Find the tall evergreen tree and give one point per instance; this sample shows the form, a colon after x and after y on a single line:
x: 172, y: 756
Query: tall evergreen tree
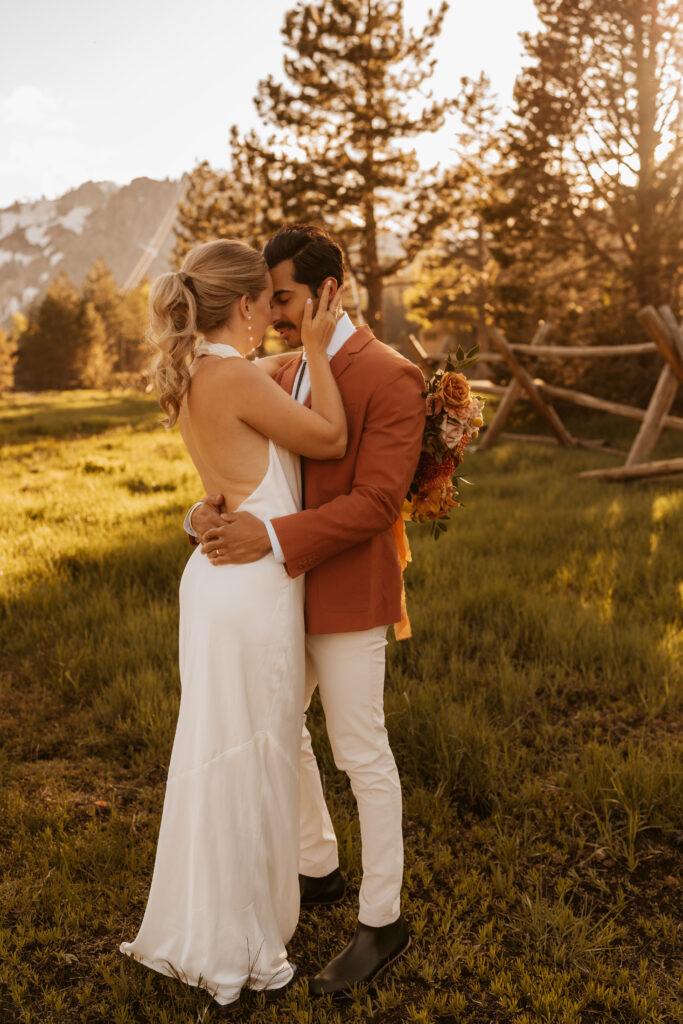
x: 96, y: 364
x: 597, y: 154
x: 57, y: 344
x: 240, y: 203
x: 337, y: 155
x: 454, y: 278
x: 124, y: 317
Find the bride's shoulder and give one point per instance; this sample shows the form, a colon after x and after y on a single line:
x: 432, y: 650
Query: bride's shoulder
x: 233, y: 372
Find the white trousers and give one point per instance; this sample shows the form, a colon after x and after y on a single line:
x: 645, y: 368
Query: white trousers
x: 348, y: 669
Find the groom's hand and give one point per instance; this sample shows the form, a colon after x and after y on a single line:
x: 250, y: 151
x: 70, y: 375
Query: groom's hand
x: 241, y: 538
x: 208, y: 514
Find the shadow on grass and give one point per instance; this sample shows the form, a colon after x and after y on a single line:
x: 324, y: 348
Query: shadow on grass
x: 67, y: 414
x: 90, y: 656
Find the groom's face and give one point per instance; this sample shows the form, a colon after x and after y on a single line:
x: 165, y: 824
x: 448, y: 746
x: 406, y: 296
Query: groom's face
x: 288, y: 302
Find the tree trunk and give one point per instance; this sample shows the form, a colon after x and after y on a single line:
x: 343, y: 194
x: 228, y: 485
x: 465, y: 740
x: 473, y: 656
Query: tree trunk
x: 374, y: 283
x: 482, y: 290
x: 646, y: 269
x: 375, y: 311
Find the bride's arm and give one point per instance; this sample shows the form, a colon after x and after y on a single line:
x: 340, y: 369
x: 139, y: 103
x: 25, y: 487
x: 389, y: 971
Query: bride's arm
x: 319, y: 432
x: 273, y: 364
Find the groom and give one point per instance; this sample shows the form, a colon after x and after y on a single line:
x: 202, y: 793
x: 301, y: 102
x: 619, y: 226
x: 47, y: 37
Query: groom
x: 343, y: 541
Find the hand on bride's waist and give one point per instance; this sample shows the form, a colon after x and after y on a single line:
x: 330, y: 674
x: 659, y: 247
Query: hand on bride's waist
x: 207, y: 514
x: 241, y: 537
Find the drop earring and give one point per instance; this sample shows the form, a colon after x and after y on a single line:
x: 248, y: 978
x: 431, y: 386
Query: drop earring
x: 250, y: 329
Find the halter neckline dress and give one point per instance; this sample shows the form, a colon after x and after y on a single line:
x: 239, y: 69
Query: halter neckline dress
x: 224, y: 897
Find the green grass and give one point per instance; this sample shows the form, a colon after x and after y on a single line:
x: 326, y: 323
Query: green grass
x: 535, y: 718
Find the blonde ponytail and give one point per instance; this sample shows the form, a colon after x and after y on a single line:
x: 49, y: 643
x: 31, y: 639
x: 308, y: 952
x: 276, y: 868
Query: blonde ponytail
x: 198, y: 298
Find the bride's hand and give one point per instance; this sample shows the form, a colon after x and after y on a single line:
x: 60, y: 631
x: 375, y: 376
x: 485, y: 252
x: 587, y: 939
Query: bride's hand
x: 316, y: 331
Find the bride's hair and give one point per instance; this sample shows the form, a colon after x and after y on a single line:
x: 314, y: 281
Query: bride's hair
x: 193, y: 300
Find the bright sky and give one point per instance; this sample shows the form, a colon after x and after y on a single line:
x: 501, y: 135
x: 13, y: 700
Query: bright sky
x: 116, y: 89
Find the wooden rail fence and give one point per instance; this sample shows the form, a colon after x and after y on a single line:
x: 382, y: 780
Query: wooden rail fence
x: 666, y: 336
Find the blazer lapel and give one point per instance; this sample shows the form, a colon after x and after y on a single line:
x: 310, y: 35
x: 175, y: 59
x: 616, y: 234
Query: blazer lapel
x: 287, y: 376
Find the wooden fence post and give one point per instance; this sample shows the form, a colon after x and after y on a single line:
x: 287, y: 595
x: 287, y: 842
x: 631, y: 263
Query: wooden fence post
x: 526, y: 382
x: 665, y: 390
x: 514, y: 390
x: 666, y: 340
x: 675, y: 330
x: 419, y: 355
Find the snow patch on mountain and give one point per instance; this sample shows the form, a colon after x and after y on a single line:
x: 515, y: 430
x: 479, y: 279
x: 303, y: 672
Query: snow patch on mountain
x: 7, y: 256
x: 75, y: 219
x: 37, y: 234
x: 28, y: 216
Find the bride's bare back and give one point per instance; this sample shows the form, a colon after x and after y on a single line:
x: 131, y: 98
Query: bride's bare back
x: 233, y: 407
x: 230, y: 456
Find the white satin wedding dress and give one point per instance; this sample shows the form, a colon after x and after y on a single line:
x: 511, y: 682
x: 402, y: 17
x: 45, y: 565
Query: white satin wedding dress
x: 224, y: 898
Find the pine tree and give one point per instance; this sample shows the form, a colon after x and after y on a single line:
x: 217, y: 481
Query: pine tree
x: 96, y: 365
x: 337, y: 153
x: 238, y: 204
x: 596, y: 152
x: 124, y: 318
x: 61, y: 337
x: 8, y: 358
x: 101, y: 292
x: 135, y: 351
x: 454, y: 277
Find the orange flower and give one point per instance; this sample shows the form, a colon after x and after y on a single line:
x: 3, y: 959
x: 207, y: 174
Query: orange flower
x: 454, y: 390
x: 430, y: 470
x: 434, y: 502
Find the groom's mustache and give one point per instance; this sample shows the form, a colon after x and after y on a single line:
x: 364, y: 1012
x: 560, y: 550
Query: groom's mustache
x: 281, y: 325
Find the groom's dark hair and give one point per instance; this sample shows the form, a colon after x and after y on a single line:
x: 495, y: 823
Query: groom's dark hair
x: 315, y: 254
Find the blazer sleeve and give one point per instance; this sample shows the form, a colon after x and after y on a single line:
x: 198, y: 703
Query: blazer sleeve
x: 387, y: 457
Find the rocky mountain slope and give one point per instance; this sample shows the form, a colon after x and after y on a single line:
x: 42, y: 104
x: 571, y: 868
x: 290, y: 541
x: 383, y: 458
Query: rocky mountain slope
x: 98, y: 220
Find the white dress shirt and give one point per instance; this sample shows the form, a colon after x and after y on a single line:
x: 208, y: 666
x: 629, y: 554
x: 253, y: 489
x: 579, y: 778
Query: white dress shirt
x: 301, y: 390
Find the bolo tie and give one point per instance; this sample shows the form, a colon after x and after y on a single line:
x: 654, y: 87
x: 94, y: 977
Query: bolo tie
x: 299, y: 378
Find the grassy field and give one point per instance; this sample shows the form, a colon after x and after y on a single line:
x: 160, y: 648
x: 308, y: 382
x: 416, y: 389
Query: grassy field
x: 535, y: 718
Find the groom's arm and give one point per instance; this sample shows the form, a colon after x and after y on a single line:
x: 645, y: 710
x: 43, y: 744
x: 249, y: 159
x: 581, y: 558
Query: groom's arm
x: 388, y: 454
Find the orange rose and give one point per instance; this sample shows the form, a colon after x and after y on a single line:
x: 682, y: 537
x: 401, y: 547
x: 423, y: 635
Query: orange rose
x: 453, y: 390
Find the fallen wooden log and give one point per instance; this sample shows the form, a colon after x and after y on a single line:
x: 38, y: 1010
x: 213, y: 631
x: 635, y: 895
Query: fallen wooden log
x: 665, y: 467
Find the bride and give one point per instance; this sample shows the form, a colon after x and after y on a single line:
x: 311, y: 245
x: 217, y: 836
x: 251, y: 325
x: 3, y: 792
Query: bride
x: 224, y: 898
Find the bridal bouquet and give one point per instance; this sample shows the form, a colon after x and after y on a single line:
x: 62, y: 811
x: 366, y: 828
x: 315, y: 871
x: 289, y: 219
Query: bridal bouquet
x: 454, y: 416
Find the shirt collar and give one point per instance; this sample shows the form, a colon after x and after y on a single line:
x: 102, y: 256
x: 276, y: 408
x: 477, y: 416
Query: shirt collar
x: 342, y: 332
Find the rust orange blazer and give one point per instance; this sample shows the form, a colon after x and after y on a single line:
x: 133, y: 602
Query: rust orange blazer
x: 343, y: 538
